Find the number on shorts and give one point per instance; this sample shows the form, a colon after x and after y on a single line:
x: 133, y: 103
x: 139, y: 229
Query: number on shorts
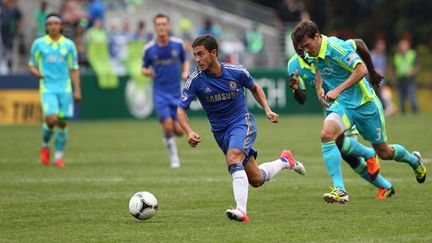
x: 378, y: 136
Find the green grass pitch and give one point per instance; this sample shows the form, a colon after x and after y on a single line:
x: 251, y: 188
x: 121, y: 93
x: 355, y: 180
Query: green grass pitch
x: 108, y: 161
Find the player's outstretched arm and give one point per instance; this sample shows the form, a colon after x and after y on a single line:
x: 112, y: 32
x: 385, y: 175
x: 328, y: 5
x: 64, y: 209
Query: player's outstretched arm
x: 360, y: 71
x: 193, y: 137
x: 299, y: 94
x: 320, y: 91
x: 363, y: 51
x: 260, y: 97
x: 77, y: 84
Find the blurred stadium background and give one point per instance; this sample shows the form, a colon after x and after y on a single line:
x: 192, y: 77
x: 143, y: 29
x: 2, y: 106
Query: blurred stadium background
x: 254, y: 33
x: 113, y: 153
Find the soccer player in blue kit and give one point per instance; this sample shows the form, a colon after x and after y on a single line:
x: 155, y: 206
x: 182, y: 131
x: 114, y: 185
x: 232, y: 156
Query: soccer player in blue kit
x: 302, y: 72
x: 220, y: 90
x: 54, y: 62
x: 165, y: 60
x: 349, y: 97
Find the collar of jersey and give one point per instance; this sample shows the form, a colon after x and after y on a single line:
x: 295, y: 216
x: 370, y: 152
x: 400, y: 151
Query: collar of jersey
x: 303, y: 63
x: 50, y: 41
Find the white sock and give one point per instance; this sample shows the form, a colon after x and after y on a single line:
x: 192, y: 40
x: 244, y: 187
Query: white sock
x: 58, y: 155
x: 272, y: 168
x: 171, y: 147
x: 240, y: 189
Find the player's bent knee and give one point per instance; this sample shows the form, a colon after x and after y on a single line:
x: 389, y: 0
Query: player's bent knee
x: 327, y: 136
x: 51, y: 121
x: 385, y: 154
x: 234, y: 156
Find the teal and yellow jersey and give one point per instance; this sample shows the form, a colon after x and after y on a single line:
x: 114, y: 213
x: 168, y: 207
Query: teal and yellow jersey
x: 54, y: 59
x: 335, y: 63
x: 306, y: 73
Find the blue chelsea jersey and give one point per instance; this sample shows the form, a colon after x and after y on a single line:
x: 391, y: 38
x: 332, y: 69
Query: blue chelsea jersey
x: 222, y: 98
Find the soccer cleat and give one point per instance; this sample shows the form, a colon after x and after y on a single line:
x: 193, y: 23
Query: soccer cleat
x: 336, y: 195
x: 295, y: 165
x: 385, y: 193
x: 373, y: 167
x: 236, y: 214
x: 45, y: 156
x: 420, y: 170
x: 59, y: 163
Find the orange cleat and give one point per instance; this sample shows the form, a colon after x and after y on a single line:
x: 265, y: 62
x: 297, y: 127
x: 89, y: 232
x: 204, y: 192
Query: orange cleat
x: 59, y: 163
x: 373, y: 167
x: 45, y: 156
x: 287, y: 154
x: 385, y: 193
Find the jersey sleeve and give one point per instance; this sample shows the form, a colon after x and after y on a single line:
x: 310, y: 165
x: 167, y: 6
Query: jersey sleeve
x: 34, y: 55
x: 73, y: 57
x: 146, y: 61
x: 292, y: 67
x: 345, y: 55
x: 183, y: 54
x: 246, y: 79
x: 351, y: 43
x: 187, y: 95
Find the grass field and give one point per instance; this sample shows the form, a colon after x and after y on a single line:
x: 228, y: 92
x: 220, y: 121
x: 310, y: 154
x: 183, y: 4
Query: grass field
x: 108, y: 161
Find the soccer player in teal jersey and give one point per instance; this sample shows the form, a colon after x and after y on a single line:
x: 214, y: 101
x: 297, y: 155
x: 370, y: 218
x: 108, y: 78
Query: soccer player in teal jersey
x: 301, y: 73
x: 54, y: 62
x: 351, y: 98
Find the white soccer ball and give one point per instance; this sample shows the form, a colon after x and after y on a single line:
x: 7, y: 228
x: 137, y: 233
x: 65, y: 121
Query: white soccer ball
x: 143, y: 205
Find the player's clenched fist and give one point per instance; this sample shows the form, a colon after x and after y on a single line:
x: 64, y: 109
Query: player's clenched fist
x: 273, y: 117
x: 193, y: 139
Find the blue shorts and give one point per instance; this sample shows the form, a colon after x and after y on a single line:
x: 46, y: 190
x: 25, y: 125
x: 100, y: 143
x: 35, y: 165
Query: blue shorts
x: 368, y: 119
x: 165, y: 105
x: 240, y: 135
x: 58, y: 104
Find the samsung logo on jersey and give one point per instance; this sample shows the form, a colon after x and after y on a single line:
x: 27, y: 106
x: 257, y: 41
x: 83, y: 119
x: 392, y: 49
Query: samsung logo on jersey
x: 221, y: 96
x: 166, y: 61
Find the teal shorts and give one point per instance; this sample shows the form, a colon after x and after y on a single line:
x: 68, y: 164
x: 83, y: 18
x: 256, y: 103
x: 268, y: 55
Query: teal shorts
x: 368, y: 119
x: 58, y: 104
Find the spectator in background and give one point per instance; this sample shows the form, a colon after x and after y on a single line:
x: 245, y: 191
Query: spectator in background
x: 96, y: 10
x: 254, y: 42
x: 118, y: 45
x: 39, y: 17
x: 72, y: 13
x: 141, y: 33
x: 97, y: 33
x: 11, y: 22
x: 289, y: 13
x: 378, y: 56
x: 209, y: 28
x: 406, y: 67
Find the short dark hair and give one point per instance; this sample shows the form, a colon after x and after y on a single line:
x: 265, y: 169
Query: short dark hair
x: 208, y: 41
x: 305, y: 28
x: 160, y: 15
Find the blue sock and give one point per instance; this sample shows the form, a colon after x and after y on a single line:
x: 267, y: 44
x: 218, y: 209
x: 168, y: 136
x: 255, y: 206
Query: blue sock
x: 402, y: 155
x: 46, y: 134
x: 356, y: 149
x: 61, y: 139
x: 333, y: 161
x: 380, y: 181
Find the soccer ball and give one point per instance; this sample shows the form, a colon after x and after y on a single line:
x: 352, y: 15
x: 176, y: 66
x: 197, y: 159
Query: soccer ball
x: 143, y: 205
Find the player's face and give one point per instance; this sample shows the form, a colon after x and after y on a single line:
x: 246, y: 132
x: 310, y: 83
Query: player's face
x: 162, y: 26
x: 204, y: 58
x: 311, y: 45
x: 53, y: 27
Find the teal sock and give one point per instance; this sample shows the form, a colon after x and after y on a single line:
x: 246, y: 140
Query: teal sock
x: 356, y: 149
x: 380, y: 181
x: 61, y: 139
x: 402, y: 155
x: 333, y: 160
x: 46, y: 134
